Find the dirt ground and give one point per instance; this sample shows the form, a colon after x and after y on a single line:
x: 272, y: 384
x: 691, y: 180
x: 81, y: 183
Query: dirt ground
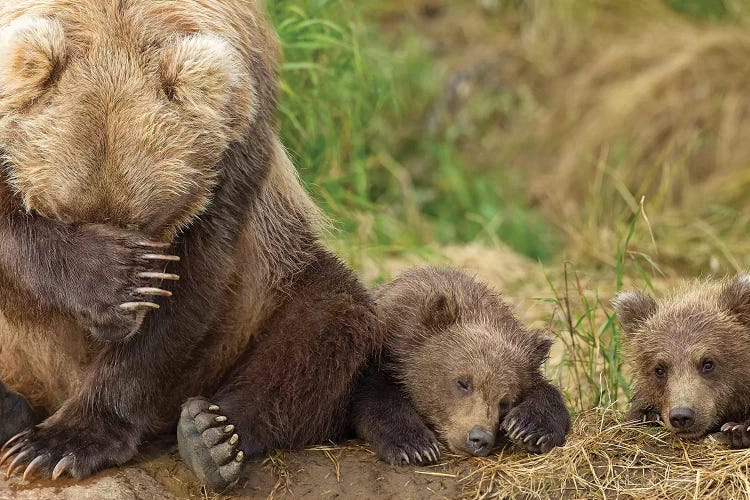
x: 327, y: 472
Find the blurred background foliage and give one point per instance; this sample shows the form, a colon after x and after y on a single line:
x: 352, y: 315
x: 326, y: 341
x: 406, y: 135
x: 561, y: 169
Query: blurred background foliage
x: 607, y: 139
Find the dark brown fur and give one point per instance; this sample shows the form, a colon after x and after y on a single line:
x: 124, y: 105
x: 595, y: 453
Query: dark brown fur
x: 689, y: 353
x: 117, y: 139
x: 456, y: 358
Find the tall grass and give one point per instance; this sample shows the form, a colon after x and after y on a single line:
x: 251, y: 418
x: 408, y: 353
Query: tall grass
x: 354, y: 115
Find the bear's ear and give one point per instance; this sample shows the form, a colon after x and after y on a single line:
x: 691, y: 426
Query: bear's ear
x: 32, y: 53
x: 205, y: 73
x: 541, y: 345
x: 440, y: 309
x: 633, y: 309
x: 735, y: 296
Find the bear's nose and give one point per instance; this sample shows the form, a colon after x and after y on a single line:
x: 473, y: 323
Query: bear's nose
x: 681, y: 417
x: 479, y: 441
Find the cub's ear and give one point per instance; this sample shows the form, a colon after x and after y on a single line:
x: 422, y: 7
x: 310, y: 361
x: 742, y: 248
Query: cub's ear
x: 735, y: 296
x: 32, y: 53
x: 205, y: 73
x: 633, y: 309
x: 541, y: 344
x: 440, y: 309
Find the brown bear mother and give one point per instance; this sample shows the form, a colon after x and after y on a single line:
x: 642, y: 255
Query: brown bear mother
x: 689, y: 352
x: 135, y: 135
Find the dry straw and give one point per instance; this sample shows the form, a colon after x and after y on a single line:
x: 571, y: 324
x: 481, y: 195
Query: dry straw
x: 606, y: 458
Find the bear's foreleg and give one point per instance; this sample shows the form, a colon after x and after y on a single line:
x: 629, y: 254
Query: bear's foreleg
x: 384, y: 417
x: 104, y: 277
x: 293, y: 386
x: 540, y: 421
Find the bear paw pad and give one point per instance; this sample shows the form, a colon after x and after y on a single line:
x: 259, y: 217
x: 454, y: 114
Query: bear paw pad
x: 209, y: 445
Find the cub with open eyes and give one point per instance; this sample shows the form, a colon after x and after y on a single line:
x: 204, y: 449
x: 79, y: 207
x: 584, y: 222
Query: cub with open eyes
x: 457, y: 361
x: 138, y: 146
x: 690, y: 353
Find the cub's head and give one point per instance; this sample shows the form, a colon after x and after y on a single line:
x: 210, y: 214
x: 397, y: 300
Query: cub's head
x: 470, y: 364
x: 690, y: 353
x: 108, y: 114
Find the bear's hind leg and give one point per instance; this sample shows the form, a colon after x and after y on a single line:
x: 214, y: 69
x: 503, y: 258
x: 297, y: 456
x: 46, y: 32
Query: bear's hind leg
x: 15, y: 414
x: 293, y: 386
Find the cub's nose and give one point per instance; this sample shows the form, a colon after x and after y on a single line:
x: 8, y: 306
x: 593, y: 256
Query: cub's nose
x: 681, y: 417
x: 479, y: 441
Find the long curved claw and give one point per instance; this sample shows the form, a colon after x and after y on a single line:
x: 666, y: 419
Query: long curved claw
x: 145, y: 290
x: 159, y: 256
x: 33, y: 466
x: 137, y: 306
x: 158, y: 276
x: 13, y: 440
x: 62, y: 466
x: 18, y: 462
x: 153, y: 244
x: 10, y: 453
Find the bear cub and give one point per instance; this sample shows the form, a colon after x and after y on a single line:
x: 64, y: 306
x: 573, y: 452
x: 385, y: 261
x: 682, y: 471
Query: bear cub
x: 457, y: 366
x: 689, y: 353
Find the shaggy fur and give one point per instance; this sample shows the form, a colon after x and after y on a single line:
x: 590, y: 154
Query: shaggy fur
x: 123, y: 121
x: 457, y: 357
x: 689, y: 352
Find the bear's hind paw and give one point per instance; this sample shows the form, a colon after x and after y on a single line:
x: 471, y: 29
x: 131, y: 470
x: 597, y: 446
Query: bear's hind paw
x: 208, y: 444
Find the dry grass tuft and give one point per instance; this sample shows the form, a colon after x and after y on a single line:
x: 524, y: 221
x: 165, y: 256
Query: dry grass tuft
x: 606, y: 458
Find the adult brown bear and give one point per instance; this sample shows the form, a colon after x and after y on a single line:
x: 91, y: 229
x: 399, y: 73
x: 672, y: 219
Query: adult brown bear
x: 136, y: 135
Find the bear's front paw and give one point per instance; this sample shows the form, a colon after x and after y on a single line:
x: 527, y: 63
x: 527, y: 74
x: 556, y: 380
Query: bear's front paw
x: 736, y: 435
x: 51, y: 450
x: 532, y: 430
x: 121, y: 272
x: 15, y: 414
x: 420, y: 447
x: 208, y: 444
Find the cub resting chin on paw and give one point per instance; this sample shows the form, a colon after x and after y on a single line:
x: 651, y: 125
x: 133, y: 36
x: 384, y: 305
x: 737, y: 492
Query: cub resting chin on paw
x: 457, y: 366
x: 689, y: 352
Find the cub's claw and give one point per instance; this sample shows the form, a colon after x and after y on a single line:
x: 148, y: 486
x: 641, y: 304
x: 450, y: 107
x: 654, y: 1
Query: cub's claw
x: 531, y: 432
x: 65, y: 464
x: 138, y: 306
x: 736, y: 435
x: 208, y: 444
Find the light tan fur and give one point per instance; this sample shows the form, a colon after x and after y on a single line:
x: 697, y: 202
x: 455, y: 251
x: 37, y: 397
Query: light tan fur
x: 138, y: 56
x: 692, y: 323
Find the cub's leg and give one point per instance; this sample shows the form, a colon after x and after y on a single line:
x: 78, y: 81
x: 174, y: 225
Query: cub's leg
x: 384, y: 417
x: 540, y: 421
x: 15, y: 414
x: 294, y: 385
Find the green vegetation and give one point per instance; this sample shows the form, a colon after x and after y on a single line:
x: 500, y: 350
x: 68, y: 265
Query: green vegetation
x: 550, y: 127
x: 354, y: 115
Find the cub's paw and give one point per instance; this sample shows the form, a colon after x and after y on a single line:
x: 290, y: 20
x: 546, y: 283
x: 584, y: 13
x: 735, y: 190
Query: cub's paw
x: 51, y: 450
x: 122, y: 275
x: 532, y: 430
x: 15, y: 414
x: 408, y: 445
x: 736, y: 435
x: 645, y: 415
x: 208, y: 444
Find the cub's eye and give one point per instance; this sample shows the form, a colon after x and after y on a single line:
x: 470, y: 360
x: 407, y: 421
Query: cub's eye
x: 708, y: 365
x: 464, y: 385
x: 660, y: 371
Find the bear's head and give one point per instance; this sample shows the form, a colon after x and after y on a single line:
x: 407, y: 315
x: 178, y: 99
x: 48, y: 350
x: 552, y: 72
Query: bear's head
x: 689, y: 353
x: 110, y: 111
x: 469, y: 364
